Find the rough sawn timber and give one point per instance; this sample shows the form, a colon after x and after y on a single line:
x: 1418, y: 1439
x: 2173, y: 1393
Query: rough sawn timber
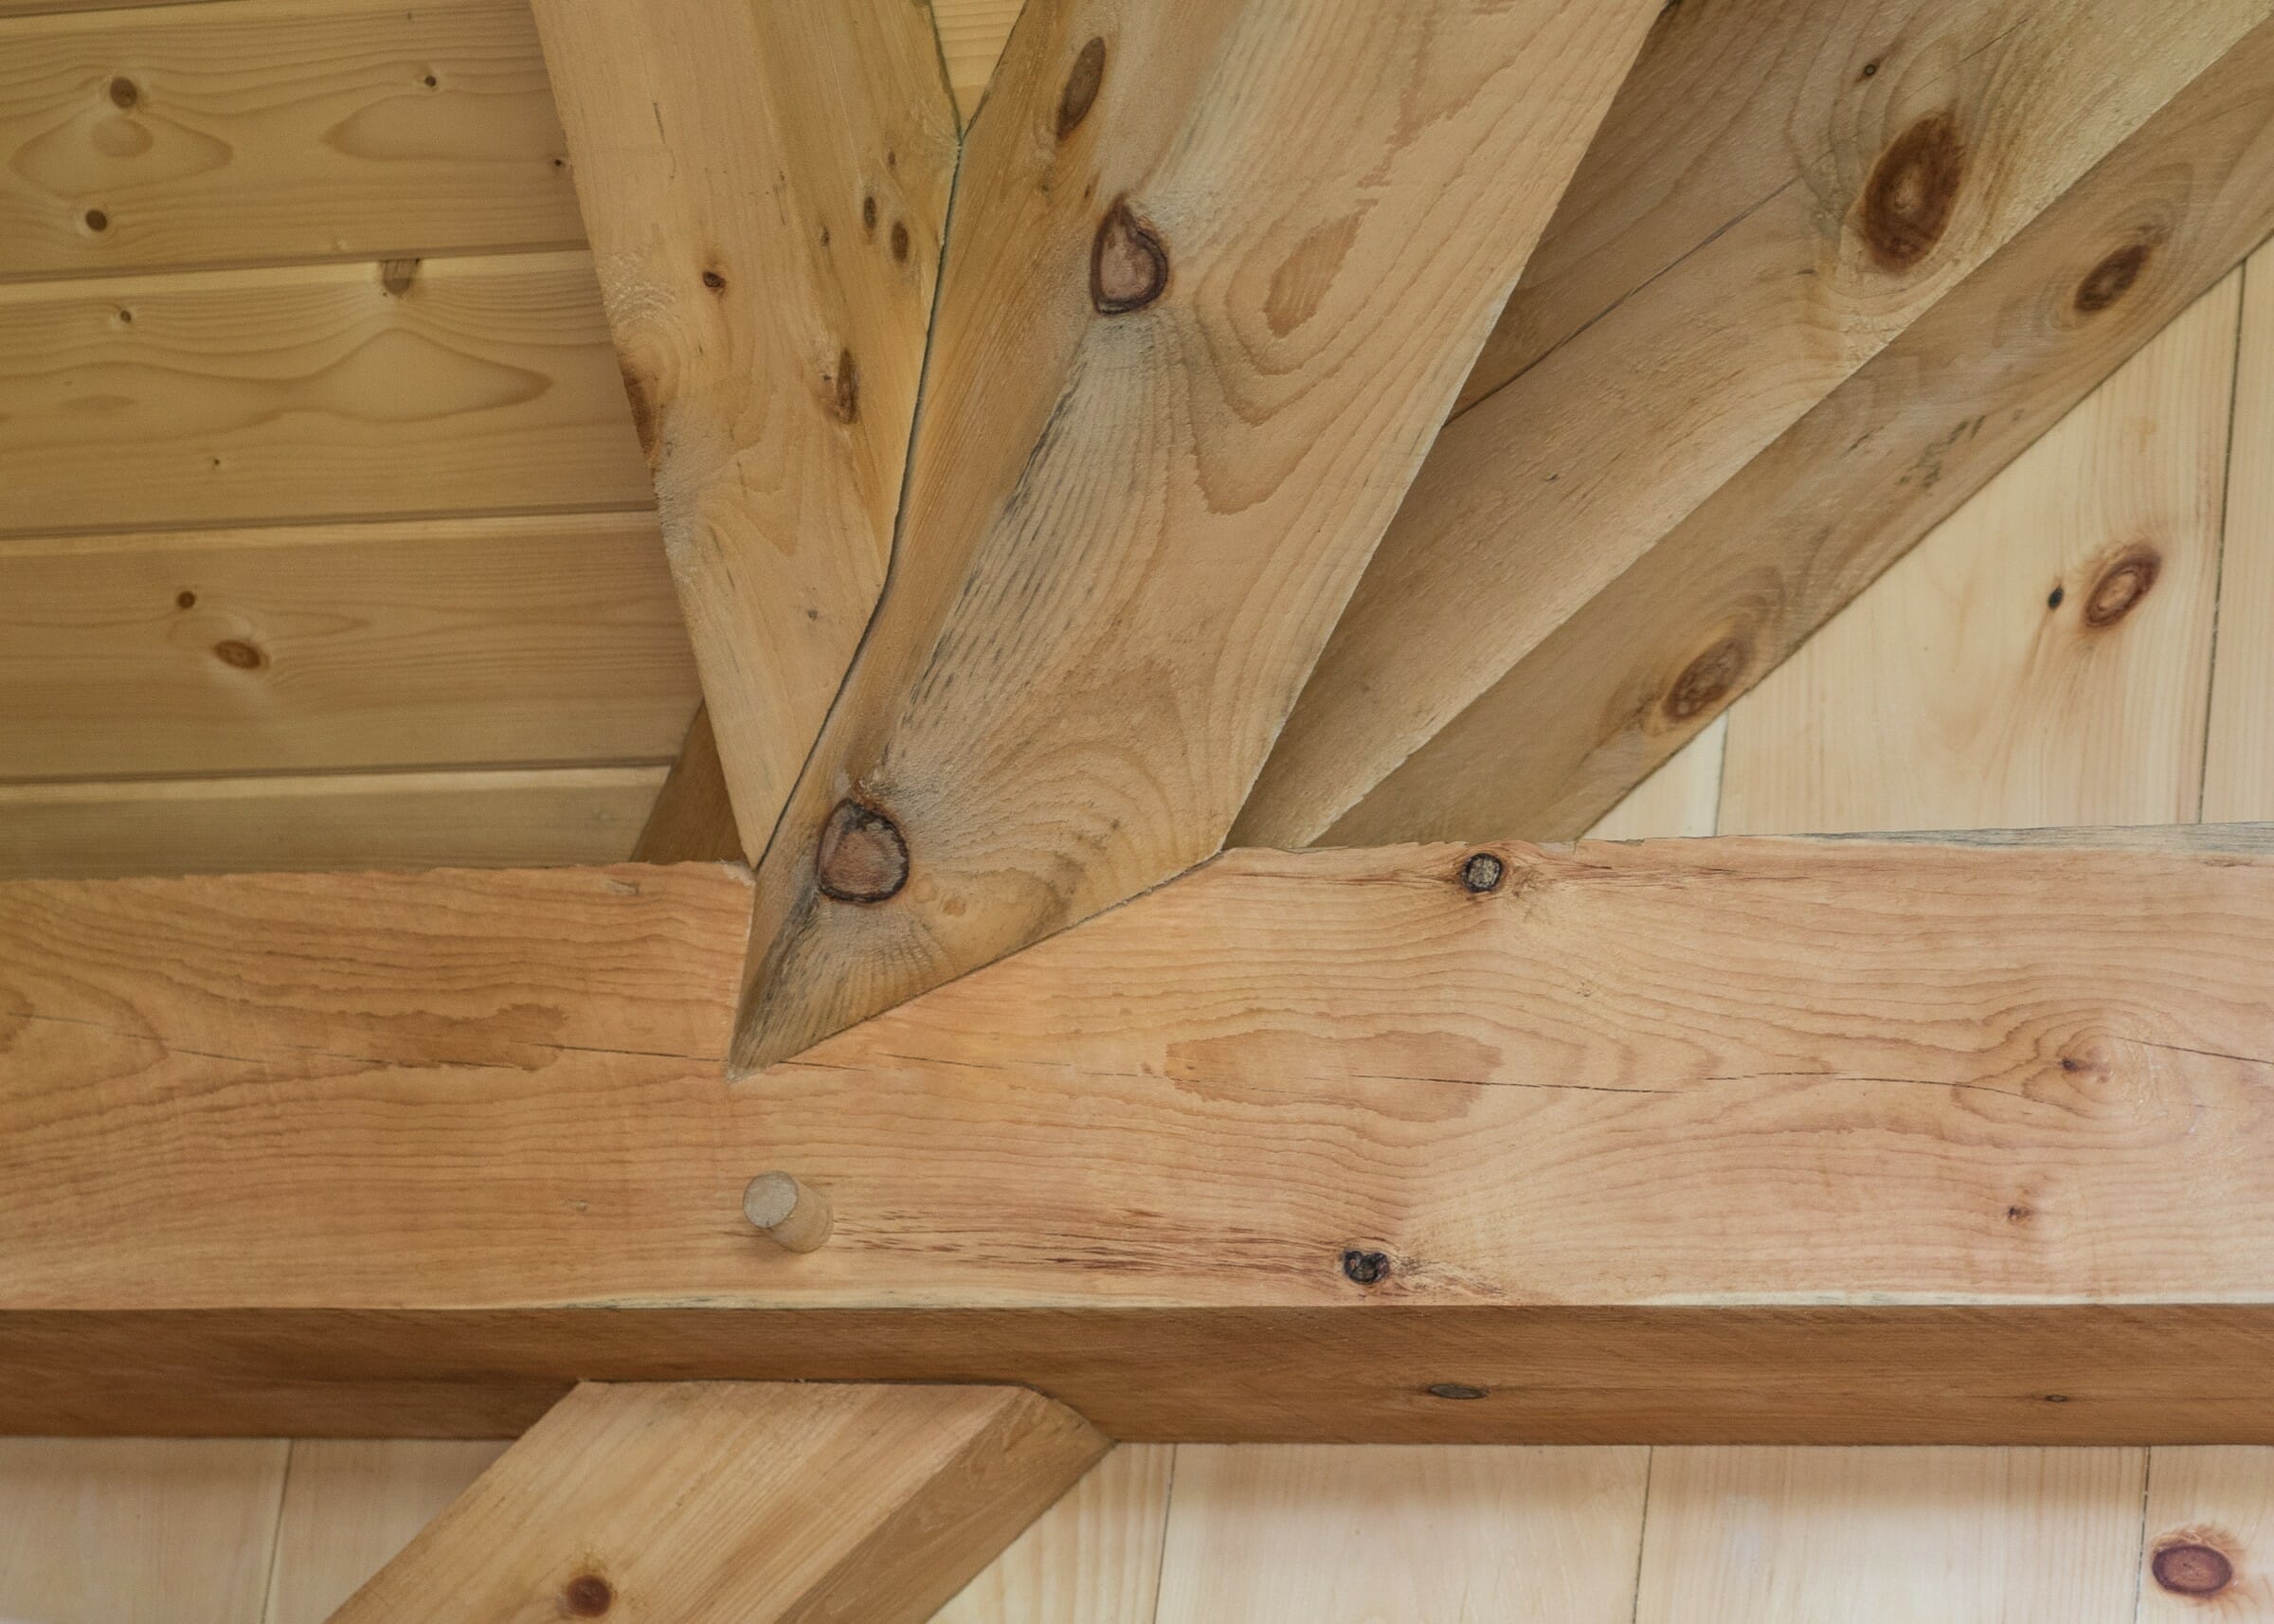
x: 739, y: 1503
x: 766, y: 188
x: 1826, y: 270
x: 1216, y: 273
x: 1764, y: 1139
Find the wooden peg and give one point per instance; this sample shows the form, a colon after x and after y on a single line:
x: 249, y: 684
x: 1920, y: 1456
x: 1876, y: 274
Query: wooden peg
x: 790, y: 1213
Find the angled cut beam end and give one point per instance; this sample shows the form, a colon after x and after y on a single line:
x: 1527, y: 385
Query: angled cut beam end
x: 1216, y: 272
x: 751, y: 1502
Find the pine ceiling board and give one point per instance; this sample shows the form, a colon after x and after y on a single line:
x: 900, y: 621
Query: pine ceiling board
x: 1903, y: 1536
x: 2239, y: 765
x: 2044, y: 657
x: 318, y: 648
x: 1312, y: 1535
x: 1603, y: 551
x: 336, y: 821
x: 323, y: 391
x: 266, y: 131
x: 137, y: 1531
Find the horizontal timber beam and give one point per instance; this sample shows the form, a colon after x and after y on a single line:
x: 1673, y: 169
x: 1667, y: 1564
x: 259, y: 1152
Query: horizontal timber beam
x: 1737, y: 1139
x: 739, y: 1503
x: 1827, y: 269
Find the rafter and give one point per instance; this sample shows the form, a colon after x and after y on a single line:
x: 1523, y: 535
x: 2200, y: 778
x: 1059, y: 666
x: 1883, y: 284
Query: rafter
x: 1215, y: 272
x: 1773, y: 1140
x: 1825, y: 271
x: 765, y: 190
x: 739, y: 1503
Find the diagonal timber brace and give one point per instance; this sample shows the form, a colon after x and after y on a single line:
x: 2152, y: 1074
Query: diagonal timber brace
x: 1737, y: 1139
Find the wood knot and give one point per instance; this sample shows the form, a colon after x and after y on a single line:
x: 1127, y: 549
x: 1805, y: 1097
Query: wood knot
x: 1706, y: 680
x: 845, y: 388
x: 242, y: 656
x: 2112, y: 278
x: 900, y: 241
x: 715, y: 283
x: 2191, y: 1569
x: 1366, y: 1268
x: 185, y: 599
x: 2121, y: 585
x: 1483, y: 872
x: 862, y: 856
x: 396, y: 277
x: 587, y: 1596
x: 123, y: 94
x: 1129, y: 267
x: 1455, y: 1390
x: 868, y: 213
x: 1080, y: 94
x: 95, y: 220
x: 1912, y: 193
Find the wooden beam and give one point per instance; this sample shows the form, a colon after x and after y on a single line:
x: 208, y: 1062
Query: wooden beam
x: 1763, y: 1140
x: 766, y: 188
x: 1216, y: 274
x: 1740, y: 379
x: 739, y: 1503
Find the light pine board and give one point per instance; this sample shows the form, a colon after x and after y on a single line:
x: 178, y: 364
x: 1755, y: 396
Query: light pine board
x: 971, y: 36
x: 258, y: 131
x: 350, y: 1505
x: 2239, y: 767
x: 137, y: 1531
x: 317, y: 649
x: 1903, y: 1536
x: 485, y: 384
x: 1358, y: 1534
x: 530, y: 818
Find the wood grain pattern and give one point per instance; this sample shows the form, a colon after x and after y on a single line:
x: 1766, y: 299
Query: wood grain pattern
x: 312, y: 392
x: 2073, y: 602
x: 1236, y: 276
x: 1833, y: 1140
x: 2210, y: 1523
x: 1611, y: 447
x: 525, y: 817
x: 1093, y: 1558
x: 137, y: 1531
x: 314, y: 648
x: 774, y: 1504
x: 766, y: 191
x: 1348, y: 1536
x: 260, y: 130
x: 2239, y: 760
x: 1905, y: 1536
x: 350, y: 1506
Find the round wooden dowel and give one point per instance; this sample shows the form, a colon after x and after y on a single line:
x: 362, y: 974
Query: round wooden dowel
x: 788, y: 1212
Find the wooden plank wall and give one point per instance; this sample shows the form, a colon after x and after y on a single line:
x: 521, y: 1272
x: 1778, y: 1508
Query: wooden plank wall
x: 2026, y: 664
x: 325, y: 539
